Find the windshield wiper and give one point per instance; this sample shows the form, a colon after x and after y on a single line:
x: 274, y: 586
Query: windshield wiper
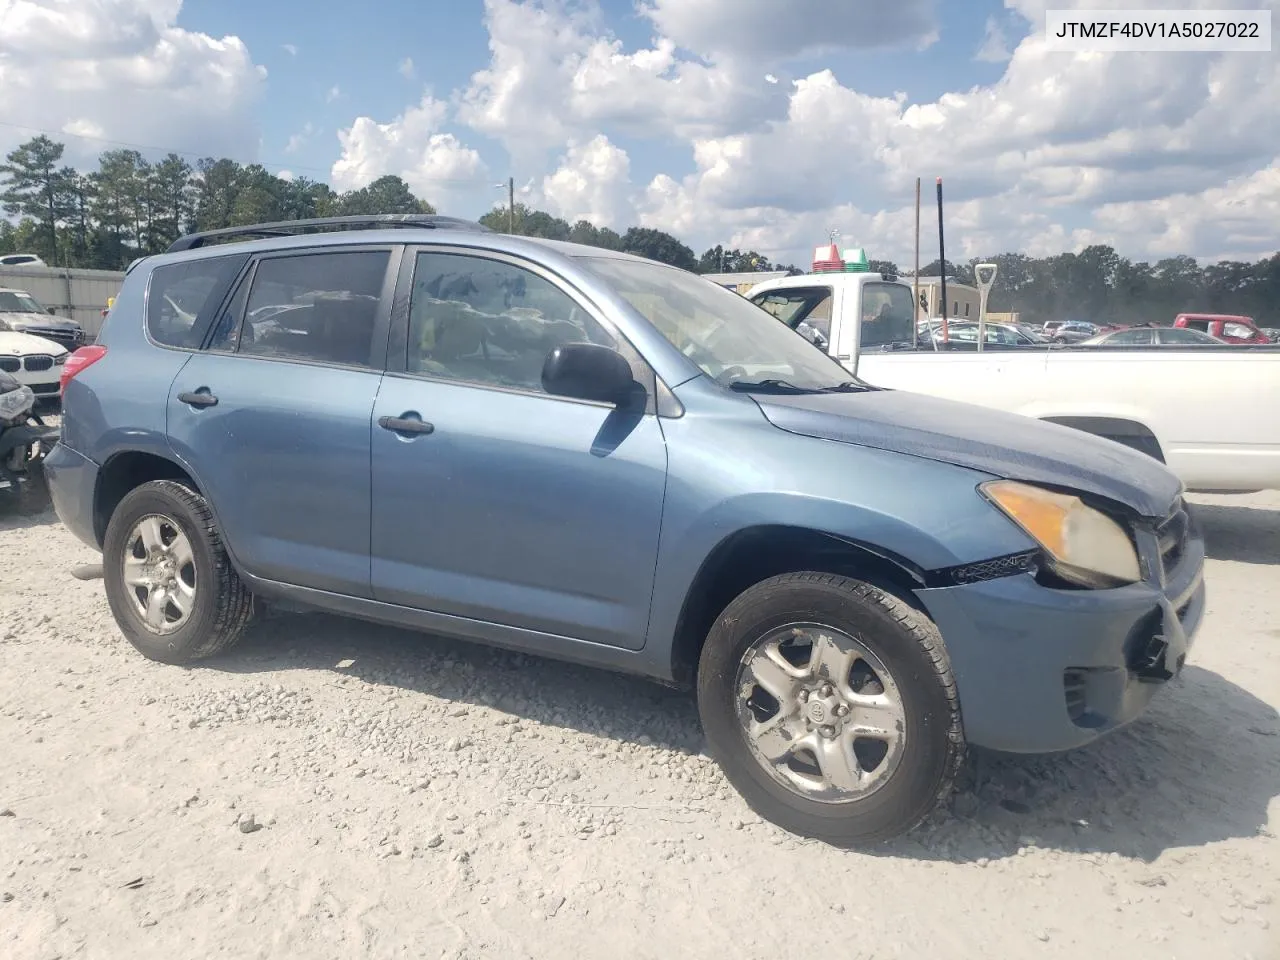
x: 768, y: 385
x: 849, y: 386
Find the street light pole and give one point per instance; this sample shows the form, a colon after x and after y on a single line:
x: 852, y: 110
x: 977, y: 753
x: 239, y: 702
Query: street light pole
x: 511, y: 204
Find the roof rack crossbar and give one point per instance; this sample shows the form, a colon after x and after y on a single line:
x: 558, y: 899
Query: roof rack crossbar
x: 285, y: 228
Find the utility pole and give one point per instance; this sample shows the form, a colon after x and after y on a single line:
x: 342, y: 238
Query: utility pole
x: 915, y: 284
x: 942, y: 260
x: 511, y: 204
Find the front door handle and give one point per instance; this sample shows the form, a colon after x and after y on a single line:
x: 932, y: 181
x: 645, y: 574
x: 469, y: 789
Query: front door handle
x: 200, y: 398
x: 405, y: 425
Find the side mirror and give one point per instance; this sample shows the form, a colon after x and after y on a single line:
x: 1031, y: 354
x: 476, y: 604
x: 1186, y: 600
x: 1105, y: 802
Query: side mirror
x: 588, y: 371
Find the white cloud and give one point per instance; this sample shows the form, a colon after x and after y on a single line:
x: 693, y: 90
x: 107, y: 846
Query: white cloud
x: 123, y: 70
x: 436, y: 165
x: 84, y: 127
x: 593, y: 183
x: 1062, y: 151
x: 995, y: 45
x: 290, y: 48
x: 407, y: 69
x: 545, y: 55
x: 299, y: 139
x: 286, y: 175
x: 334, y: 93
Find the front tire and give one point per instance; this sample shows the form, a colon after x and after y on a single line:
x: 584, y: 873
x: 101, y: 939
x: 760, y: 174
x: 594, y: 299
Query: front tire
x: 169, y: 581
x: 831, y: 707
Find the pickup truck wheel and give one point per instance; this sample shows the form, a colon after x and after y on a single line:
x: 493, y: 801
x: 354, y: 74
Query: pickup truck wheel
x: 169, y: 582
x: 831, y: 707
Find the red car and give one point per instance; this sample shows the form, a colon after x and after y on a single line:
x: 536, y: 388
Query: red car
x: 1232, y: 329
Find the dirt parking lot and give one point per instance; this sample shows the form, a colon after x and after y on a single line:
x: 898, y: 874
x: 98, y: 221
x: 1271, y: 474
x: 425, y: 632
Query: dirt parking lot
x: 333, y: 789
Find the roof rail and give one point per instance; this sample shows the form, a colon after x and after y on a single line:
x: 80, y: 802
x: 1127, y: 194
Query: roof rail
x: 284, y: 228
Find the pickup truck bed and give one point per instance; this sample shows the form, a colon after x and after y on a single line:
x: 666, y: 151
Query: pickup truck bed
x: 1212, y: 413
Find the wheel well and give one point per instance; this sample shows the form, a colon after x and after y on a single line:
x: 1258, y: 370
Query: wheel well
x: 758, y: 553
x: 125, y: 472
x: 1130, y: 433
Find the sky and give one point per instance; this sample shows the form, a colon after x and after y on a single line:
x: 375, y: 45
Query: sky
x: 753, y: 123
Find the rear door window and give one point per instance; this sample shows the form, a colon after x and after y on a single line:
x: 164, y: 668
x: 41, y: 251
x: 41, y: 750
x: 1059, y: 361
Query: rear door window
x: 318, y: 307
x: 182, y: 297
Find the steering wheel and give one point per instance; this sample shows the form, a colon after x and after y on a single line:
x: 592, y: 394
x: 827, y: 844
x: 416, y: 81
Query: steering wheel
x: 705, y: 359
x: 730, y: 374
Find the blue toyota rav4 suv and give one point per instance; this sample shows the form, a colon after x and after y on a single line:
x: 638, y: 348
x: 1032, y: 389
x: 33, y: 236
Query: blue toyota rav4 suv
x: 588, y: 455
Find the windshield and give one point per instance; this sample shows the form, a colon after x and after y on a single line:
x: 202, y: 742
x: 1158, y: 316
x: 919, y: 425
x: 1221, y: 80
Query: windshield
x: 13, y: 302
x: 731, y: 339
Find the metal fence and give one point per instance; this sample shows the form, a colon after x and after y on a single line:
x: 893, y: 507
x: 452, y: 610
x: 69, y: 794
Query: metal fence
x: 78, y: 294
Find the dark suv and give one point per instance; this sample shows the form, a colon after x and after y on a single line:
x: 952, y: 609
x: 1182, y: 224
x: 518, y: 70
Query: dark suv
x: 584, y: 454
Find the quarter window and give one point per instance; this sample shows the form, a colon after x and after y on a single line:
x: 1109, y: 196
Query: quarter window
x: 486, y: 321
x: 181, y: 298
x: 320, y: 307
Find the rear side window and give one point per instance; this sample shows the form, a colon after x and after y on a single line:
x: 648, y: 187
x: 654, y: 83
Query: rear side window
x: 887, y: 314
x: 181, y: 298
x: 1132, y: 337
x: 320, y: 307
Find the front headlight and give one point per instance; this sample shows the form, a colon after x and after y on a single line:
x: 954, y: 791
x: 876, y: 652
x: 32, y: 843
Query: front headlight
x: 15, y: 403
x: 1083, y: 545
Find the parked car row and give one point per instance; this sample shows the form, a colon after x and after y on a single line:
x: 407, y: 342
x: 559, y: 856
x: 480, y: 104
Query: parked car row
x: 34, y: 343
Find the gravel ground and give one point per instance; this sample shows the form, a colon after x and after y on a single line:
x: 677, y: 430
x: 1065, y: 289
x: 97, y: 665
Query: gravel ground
x: 337, y: 789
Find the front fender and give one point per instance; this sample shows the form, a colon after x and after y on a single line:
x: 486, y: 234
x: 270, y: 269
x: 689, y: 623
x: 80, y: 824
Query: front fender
x: 726, y: 477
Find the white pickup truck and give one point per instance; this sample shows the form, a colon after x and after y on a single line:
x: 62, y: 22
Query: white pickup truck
x: 1211, y: 413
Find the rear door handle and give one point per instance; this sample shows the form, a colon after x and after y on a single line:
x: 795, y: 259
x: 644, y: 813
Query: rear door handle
x: 405, y: 425
x: 200, y: 398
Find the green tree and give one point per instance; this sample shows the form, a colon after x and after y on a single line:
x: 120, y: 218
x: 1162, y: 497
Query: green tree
x: 886, y: 268
x: 389, y: 194
x: 174, y: 199
x: 586, y: 232
x: 35, y: 186
x: 216, y: 184
x: 657, y: 245
x: 258, y: 197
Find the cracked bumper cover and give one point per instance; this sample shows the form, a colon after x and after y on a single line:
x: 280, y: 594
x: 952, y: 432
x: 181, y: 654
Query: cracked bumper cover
x: 1040, y: 670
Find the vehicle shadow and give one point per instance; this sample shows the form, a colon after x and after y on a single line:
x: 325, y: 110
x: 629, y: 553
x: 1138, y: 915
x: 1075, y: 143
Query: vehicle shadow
x: 27, y: 506
x: 533, y: 688
x: 1241, y: 534
x: 1202, y: 766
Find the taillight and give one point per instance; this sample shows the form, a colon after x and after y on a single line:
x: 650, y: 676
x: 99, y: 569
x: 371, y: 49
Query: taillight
x: 78, y: 361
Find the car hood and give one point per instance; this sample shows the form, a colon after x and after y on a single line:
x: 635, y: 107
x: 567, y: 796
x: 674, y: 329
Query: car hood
x: 1006, y: 445
x: 13, y: 344
x: 47, y: 320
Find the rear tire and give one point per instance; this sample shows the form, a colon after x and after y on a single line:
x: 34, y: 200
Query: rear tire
x: 876, y: 681
x: 169, y: 581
